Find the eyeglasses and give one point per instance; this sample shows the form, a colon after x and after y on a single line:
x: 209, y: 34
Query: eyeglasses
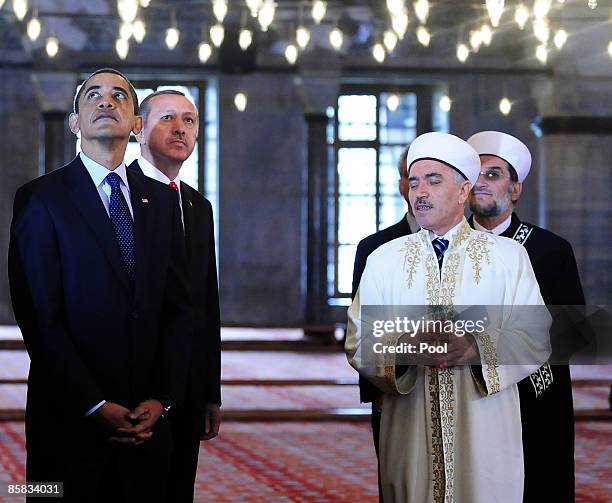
x: 492, y: 175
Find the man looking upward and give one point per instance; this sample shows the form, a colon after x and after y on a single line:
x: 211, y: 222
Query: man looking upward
x: 98, y: 284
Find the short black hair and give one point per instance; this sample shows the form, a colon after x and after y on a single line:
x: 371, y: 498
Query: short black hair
x: 77, y: 96
x: 145, y: 106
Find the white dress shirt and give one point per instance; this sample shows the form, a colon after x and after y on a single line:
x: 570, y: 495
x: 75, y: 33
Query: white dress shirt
x: 495, y: 230
x: 152, y: 172
x: 99, y: 173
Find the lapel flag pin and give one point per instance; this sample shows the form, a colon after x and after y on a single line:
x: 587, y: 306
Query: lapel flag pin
x: 190, y: 203
x: 145, y: 201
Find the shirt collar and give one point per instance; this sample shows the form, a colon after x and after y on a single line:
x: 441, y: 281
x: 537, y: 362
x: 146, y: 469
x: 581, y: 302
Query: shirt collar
x: 152, y: 172
x: 99, y: 173
x: 498, y: 230
x: 449, y: 233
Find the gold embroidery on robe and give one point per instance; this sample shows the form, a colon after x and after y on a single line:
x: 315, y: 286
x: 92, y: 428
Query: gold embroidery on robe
x: 478, y: 250
x: 412, y: 258
x: 491, y: 361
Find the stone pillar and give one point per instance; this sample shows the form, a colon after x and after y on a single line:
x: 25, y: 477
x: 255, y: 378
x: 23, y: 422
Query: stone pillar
x: 576, y: 189
x: 318, y: 89
x: 575, y: 154
x: 55, y: 92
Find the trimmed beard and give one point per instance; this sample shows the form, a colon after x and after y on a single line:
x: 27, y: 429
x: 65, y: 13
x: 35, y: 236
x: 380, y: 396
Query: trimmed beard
x: 496, y: 208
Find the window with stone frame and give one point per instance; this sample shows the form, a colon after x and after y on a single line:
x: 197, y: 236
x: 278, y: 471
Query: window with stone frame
x: 369, y: 128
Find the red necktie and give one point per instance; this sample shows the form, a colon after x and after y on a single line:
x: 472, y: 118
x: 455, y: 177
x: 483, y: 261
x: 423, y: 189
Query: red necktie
x: 174, y: 186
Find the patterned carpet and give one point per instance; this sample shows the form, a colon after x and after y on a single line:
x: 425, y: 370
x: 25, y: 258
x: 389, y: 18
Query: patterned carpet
x: 313, y: 462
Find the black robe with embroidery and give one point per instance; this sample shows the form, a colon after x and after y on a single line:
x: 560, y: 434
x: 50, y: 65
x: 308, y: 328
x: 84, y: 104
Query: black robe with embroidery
x: 547, y: 410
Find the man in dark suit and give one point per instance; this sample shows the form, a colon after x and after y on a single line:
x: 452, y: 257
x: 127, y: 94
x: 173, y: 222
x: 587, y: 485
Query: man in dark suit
x: 367, y: 391
x: 547, y: 413
x: 97, y: 273
x: 168, y: 137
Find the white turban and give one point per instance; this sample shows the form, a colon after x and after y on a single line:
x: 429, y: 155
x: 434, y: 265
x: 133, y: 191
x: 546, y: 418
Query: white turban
x: 503, y: 145
x: 448, y: 149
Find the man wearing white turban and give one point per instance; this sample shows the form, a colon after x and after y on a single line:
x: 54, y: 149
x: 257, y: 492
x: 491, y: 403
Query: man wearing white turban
x: 547, y: 409
x: 451, y: 425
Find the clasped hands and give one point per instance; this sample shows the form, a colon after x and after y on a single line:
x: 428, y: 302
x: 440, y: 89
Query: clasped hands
x: 460, y: 349
x: 128, y: 427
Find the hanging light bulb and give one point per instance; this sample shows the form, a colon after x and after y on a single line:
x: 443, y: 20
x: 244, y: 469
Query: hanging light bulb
x: 486, y: 34
x: 254, y: 6
x: 542, y: 54
x: 462, y: 52
x: 445, y: 103
x: 34, y: 28
x: 475, y: 40
x: 610, y: 48
x: 122, y: 46
x: 521, y: 15
x: 126, y: 31
x: 20, y: 8
x: 393, y: 102
x: 144, y: 3
x: 399, y: 22
x: 128, y: 9
x: 336, y: 38
x: 139, y: 30
x: 220, y: 9
x: 172, y: 37
x: 560, y: 38
x: 423, y: 36
x: 541, y: 30
x: 291, y: 54
x: 541, y: 8
x: 395, y: 6
x: 378, y: 51
x: 390, y: 40
x: 561, y: 1
x: 302, y: 36
x: 52, y: 47
x: 240, y: 102
x: 505, y: 105
x: 421, y: 9
x: 1, y: 3
x: 495, y: 8
x: 245, y: 39
x: 592, y: 4
x: 319, y: 8
x: 266, y: 14
x: 204, y: 52
x: 217, y: 34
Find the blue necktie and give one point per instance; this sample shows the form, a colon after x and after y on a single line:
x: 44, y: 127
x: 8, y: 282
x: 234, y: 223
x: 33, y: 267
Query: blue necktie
x: 122, y: 224
x: 440, y: 246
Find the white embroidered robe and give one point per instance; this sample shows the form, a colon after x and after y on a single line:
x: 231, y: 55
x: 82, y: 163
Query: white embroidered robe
x: 448, y: 435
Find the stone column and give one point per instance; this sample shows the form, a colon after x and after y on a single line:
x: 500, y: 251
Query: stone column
x: 55, y: 92
x: 318, y: 89
x: 575, y: 154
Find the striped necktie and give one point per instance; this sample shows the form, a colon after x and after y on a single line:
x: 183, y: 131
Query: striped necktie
x: 440, y: 246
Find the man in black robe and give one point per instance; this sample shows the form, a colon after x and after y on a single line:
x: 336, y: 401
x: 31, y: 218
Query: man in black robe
x: 547, y: 412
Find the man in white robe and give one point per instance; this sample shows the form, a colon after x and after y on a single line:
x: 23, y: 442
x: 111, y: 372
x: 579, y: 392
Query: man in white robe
x: 450, y: 432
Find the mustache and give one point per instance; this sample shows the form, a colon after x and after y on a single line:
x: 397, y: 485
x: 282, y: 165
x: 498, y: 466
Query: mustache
x: 422, y: 201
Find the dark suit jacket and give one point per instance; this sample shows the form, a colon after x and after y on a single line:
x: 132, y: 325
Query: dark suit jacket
x: 89, y: 336
x: 205, y: 369
x: 367, y: 391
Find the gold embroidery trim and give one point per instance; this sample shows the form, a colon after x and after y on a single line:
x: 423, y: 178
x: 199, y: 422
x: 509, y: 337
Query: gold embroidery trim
x: 491, y: 361
x: 447, y: 423
x: 478, y: 251
x: 449, y: 279
x: 437, y: 448
x: 462, y: 234
x: 412, y: 258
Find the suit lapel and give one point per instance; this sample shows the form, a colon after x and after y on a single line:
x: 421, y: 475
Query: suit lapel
x: 143, y: 208
x: 187, y: 218
x: 85, y: 197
